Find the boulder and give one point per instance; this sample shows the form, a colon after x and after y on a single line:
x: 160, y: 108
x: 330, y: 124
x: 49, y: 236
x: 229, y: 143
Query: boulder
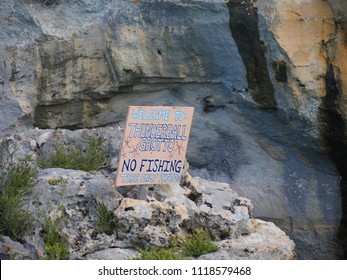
x: 113, y: 254
x: 12, y: 250
x: 265, y: 242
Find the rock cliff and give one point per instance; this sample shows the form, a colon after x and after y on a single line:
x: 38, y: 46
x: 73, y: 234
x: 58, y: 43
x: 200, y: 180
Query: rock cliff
x: 267, y: 80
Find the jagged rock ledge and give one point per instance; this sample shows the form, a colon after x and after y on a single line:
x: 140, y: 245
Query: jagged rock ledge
x: 174, y: 209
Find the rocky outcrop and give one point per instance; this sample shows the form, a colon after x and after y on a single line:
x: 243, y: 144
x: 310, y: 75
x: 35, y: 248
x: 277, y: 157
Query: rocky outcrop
x: 168, y: 211
x: 251, y: 247
x: 12, y: 250
x: 266, y: 78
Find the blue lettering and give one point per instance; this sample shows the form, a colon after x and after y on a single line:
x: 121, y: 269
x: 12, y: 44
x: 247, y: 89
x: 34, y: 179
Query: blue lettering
x: 130, y: 164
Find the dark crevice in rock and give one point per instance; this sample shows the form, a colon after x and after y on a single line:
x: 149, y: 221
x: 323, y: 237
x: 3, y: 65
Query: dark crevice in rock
x: 333, y: 131
x: 280, y: 68
x: 70, y: 115
x: 245, y: 31
x: 48, y: 3
x: 195, y: 197
x: 209, y: 105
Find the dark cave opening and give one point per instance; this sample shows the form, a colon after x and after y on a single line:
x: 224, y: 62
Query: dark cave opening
x: 245, y: 31
x: 333, y: 130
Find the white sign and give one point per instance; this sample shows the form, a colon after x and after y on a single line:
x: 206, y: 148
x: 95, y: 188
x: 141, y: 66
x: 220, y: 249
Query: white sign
x: 154, y: 145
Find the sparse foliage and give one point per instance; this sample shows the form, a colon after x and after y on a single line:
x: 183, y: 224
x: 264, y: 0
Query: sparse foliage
x: 106, y: 221
x: 54, y: 182
x: 56, y: 244
x: 155, y: 253
x: 17, y: 177
x: 92, y: 157
x: 181, y: 248
x: 199, y: 244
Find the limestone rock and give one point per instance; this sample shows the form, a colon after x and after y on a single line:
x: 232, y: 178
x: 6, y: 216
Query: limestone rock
x: 146, y: 223
x: 217, y: 208
x: 220, y: 209
x: 265, y: 242
x: 12, y: 250
x: 72, y: 196
x: 113, y: 254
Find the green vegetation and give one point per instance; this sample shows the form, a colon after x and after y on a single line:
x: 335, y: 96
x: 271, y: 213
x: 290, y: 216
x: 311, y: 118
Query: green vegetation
x: 61, y: 186
x: 15, y: 221
x: 106, y: 220
x: 198, y: 244
x: 56, y: 244
x: 92, y: 157
x: 55, y: 182
x: 17, y: 177
x: 155, y: 253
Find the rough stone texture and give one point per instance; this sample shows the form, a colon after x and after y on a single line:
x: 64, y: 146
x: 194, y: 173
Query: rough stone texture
x: 220, y: 209
x: 265, y: 129
x: 207, y: 205
x: 245, y: 31
x: 84, y: 69
x: 339, y: 8
x: 12, y: 250
x: 305, y: 55
x: 167, y: 211
x: 76, y: 195
x: 78, y: 58
x: 254, y: 246
x: 114, y: 254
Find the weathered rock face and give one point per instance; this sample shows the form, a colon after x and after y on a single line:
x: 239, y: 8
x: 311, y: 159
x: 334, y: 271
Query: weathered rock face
x: 251, y: 247
x: 305, y: 57
x: 245, y: 31
x: 79, y: 58
x: 84, y: 73
x: 266, y: 78
x: 308, y: 42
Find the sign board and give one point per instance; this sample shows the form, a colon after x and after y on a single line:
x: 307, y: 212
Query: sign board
x: 154, y: 145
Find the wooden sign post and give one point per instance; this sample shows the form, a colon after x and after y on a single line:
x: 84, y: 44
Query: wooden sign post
x: 154, y: 145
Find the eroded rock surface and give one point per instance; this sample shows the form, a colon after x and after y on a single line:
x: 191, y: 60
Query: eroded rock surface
x: 73, y: 196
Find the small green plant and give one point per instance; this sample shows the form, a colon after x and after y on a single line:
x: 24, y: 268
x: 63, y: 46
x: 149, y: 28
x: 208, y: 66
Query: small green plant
x: 61, y: 185
x: 181, y: 248
x: 17, y: 177
x: 92, y: 157
x: 155, y: 253
x: 15, y: 220
x: 56, y: 244
x: 199, y: 244
x: 106, y: 221
x: 54, y: 182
